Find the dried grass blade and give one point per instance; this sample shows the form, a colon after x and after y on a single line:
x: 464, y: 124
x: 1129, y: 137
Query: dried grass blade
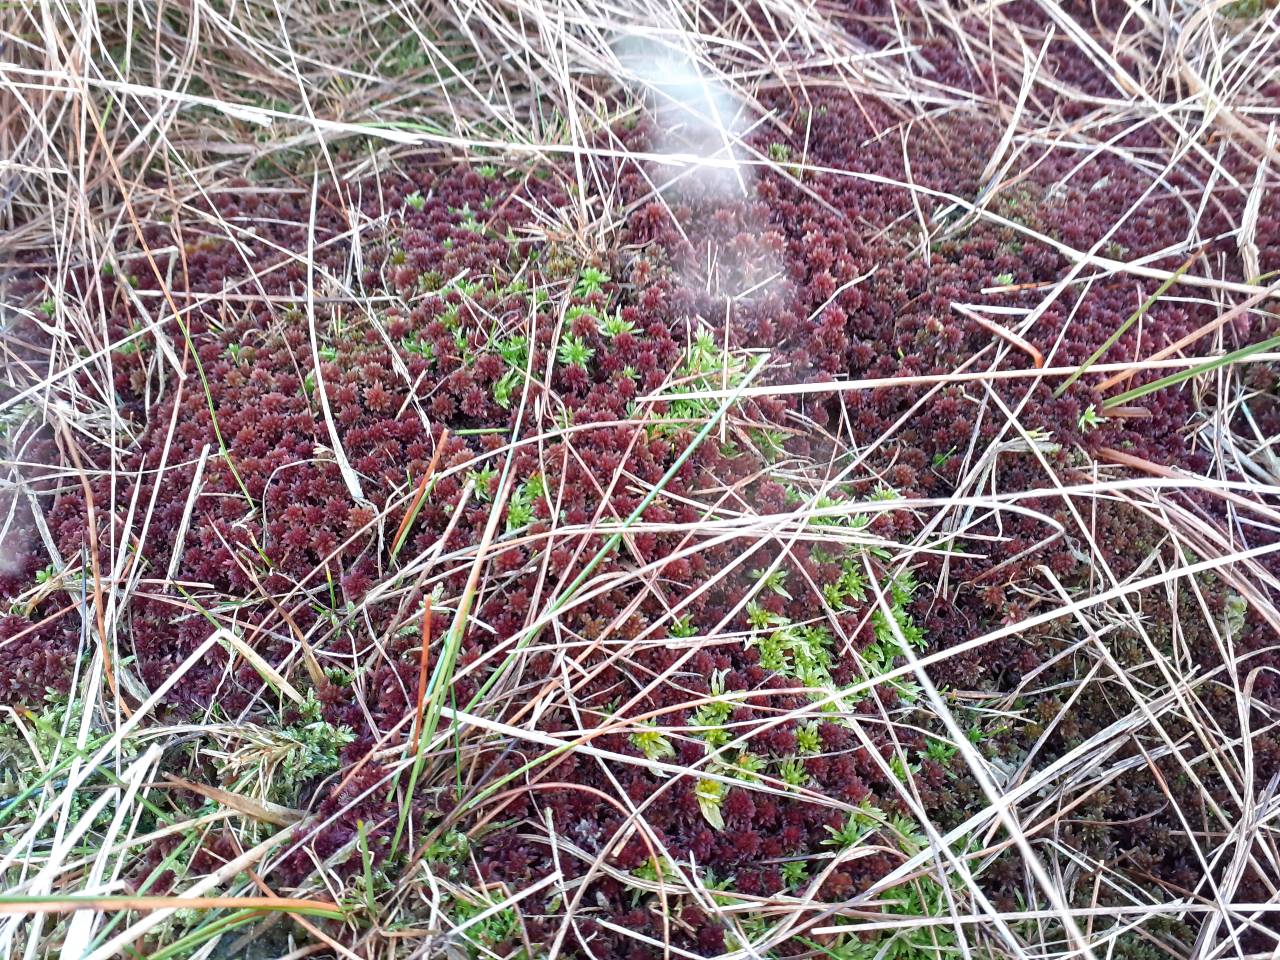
x: 265, y: 811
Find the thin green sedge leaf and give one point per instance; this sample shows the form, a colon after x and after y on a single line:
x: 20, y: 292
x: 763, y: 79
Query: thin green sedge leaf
x: 442, y: 675
x: 185, y: 946
x: 1183, y: 375
x: 616, y: 538
x: 1120, y: 330
x: 604, y: 551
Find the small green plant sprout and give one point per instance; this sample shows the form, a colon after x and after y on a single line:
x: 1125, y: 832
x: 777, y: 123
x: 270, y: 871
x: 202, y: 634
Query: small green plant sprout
x: 939, y: 751
x: 578, y: 311
x: 329, y: 354
x: 652, y: 743
x: 1237, y: 609
x: 482, y: 927
x: 883, y: 492
x: 574, y: 352
x: 471, y: 220
x: 653, y: 869
x: 590, y: 280
x: 755, y: 930
x: 481, y: 480
x: 775, y: 581
x: 828, y: 518
x: 505, y: 387
x: 709, y: 719
x: 515, y: 354
x: 707, y: 366
x: 416, y: 200
x: 47, y: 574
x: 775, y: 648
x: 761, y: 619
x: 852, y: 585
x: 133, y: 345
x: 812, y: 653
x: 808, y: 740
x: 710, y: 795
x: 564, y: 418
x: 909, y: 836
x: 341, y: 676
x: 520, y: 504
x: 48, y: 308
x: 488, y: 171
x: 448, y: 854
x: 720, y: 888
x: 683, y: 628
x: 794, y: 873
x: 468, y: 287
x: 1002, y: 279
x: 233, y: 351
x: 853, y: 581
x: 614, y: 326
x: 1090, y: 419
x: 903, y: 587
x: 792, y: 772
x: 861, y: 822
x: 747, y: 766
x: 423, y: 348
x: 462, y: 342
x: 940, y: 459
x: 832, y: 594
x: 769, y: 443
x: 514, y: 351
x: 779, y: 153
x: 903, y: 770
x: 900, y: 589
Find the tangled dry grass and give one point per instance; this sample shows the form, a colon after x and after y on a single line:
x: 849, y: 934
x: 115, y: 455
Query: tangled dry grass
x: 654, y: 479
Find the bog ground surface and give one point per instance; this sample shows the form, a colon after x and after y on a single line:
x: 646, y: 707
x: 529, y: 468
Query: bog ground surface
x: 542, y: 479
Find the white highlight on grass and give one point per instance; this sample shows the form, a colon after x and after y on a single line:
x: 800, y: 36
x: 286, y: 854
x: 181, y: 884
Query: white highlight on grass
x: 695, y: 115
x: 701, y: 161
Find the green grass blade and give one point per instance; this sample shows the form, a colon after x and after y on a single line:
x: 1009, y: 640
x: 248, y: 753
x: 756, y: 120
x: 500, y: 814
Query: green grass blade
x: 612, y: 543
x: 1120, y: 330
x: 1183, y: 375
x: 185, y: 946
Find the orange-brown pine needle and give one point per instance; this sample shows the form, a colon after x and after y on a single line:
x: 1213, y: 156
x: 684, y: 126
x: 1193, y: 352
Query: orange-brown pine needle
x: 1006, y: 334
x: 422, y: 674
x: 421, y: 492
x: 99, y: 615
